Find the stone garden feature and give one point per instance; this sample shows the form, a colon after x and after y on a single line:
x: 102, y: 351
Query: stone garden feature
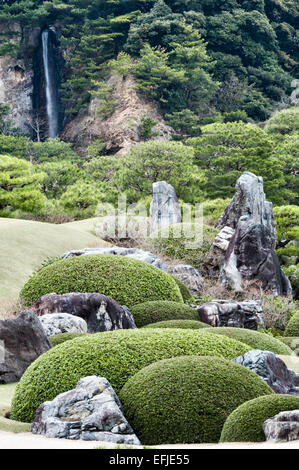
x: 250, y: 255
x: 24, y: 340
x: 91, y: 411
x: 272, y: 370
x: 164, y: 208
x: 100, y: 312
x: 135, y: 253
x: 245, y: 424
x: 57, y: 323
x: 116, y: 355
x: 246, y: 314
x: 283, y: 427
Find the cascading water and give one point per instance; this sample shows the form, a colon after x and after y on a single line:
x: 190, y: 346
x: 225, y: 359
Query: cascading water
x: 50, y: 86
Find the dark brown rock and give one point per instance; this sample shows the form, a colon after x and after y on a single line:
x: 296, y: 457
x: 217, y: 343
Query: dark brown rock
x: 100, y: 312
x: 247, y: 314
x: 24, y: 340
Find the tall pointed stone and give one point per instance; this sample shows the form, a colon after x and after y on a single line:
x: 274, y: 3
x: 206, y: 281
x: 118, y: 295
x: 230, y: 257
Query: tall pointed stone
x: 250, y: 255
x: 164, y: 208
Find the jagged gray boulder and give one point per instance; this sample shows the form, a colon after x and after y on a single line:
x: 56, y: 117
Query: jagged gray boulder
x: 216, y: 255
x: 272, y: 370
x: 283, y: 427
x: 22, y: 340
x: 91, y: 411
x: 250, y: 255
x: 164, y: 208
x: 56, y: 323
x: 135, y: 253
x: 100, y: 312
x: 247, y: 314
x: 188, y: 275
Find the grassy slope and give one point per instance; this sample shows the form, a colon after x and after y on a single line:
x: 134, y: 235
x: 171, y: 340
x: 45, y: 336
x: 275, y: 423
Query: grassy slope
x: 25, y: 244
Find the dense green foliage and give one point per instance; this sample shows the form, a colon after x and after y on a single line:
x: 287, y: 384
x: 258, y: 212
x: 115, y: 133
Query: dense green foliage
x: 62, y: 337
x: 116, y: 355
x: 152, y: 312
x: 224, y: 151
x: 19, y: 186
x: 292, y: 342
x: 185, y: 324
x: 189, y: 242
x: 187, y: 399
x: 254, y: 339
x: 292, y: 328
x: 245, y: 424
x: 208, y: 57
x: 126, y: 280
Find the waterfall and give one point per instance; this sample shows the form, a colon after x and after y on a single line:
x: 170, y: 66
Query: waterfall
x: 50, y: 85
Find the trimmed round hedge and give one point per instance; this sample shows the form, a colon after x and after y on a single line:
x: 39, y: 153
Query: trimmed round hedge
x: 292, y: 328
x: 185, y: 324
x: 186, y: 294
x: 126, y: 280
x: 62, y: 337
x: 162, y: 310
x: 253, y: 338
x: 292, y: 342
x: 187, y: 399
x: 116, y: 355
x: 245, y: 423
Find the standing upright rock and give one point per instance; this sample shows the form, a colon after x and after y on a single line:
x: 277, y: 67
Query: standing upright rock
x: 164, y: 208
x: 22, y: 340
x: 250, y: 254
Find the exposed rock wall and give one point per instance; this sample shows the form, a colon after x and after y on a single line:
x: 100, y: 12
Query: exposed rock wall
x: 16, y: 76
x: 121, y: 130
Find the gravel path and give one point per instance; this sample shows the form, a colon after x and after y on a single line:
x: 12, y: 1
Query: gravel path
x: 9, y: 440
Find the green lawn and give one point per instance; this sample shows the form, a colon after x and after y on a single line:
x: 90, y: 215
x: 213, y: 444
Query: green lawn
x: 25, y: 244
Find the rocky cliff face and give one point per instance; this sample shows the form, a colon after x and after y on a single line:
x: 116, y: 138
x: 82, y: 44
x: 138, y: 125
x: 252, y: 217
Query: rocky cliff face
x: 121, y: 130
x: 16, y: 77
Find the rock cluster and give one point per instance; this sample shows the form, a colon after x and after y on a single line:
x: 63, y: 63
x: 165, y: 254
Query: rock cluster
x: 22, y: 340
x: 100, y: 312
x: 250, y: 255
x: 246, y: 314
x: 164, y: 208
x: 272, y: 370
x: 56, y: 323
x: 91, y: 411
x: 135, y: 253
x: 283, y: 427
x: 188, y: 275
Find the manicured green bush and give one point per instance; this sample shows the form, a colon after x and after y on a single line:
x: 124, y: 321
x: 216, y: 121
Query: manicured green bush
x: 116, y: 355
x: 172, y: 242
x: 292, y: 342
x: 245, y: 423
x: 126, y: 280
x: 161, y: 310
x: 292, y: 328
x: 186, y: 324
x: 62, y: 337
x: 254, y: 339
x: 187, y: 399
x: 186, y: 294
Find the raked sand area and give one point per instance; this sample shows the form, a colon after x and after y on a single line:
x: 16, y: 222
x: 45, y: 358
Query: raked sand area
x: 26, y: 244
